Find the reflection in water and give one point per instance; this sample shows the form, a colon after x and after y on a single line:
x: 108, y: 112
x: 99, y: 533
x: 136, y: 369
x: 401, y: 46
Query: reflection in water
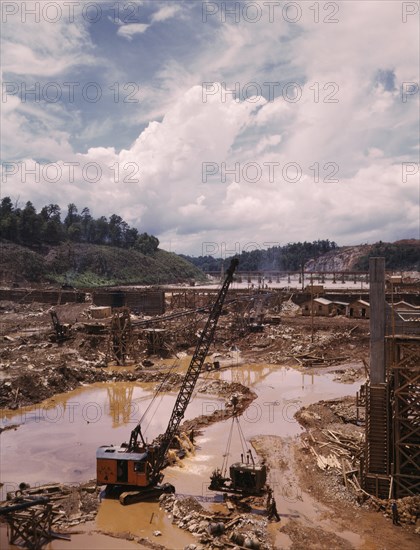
x: 59, y: 437
x: 247, y: 374
x: 120, y: 404
x: 311, y: 378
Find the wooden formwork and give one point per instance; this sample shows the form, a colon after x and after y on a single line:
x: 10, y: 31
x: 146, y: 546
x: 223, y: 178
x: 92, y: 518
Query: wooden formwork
x: 392, y: 452
x: 156, y: 340
x: 191, y: 299
x: 30, y: 528
x: 377, y: 452
x: 120, y: 342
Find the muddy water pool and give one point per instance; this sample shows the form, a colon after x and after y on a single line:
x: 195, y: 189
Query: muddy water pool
x: 57, y: 441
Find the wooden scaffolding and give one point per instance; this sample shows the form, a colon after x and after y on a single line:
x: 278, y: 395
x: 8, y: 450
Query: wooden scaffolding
x: 120, y: 342
x: 29, y: 524
x: 406, y: 415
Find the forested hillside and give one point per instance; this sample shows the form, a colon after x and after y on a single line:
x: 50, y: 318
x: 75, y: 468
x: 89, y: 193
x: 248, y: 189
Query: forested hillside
x: 81, y: 250
x: 28, y: 227
x: 290, y: 257
x: 321, y: 255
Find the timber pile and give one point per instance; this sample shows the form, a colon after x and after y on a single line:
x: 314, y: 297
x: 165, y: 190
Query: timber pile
x: 340, y: 452
x: 70, y: 505
x: 312, y: 360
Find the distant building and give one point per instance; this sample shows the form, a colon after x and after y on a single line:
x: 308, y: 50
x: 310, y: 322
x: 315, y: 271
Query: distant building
x: 321, y: 307
x: 340, y: 308
x: 358, y: 309
x: 405, y: 306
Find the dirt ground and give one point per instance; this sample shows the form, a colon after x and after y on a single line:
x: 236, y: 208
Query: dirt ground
x: 331, y: 512
x: 34, y: 367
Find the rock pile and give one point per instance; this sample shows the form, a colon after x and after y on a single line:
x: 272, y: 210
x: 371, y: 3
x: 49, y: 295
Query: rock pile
x: 408, y: 510
x: 216, y: 530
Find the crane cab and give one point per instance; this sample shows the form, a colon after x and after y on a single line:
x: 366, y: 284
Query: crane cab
x: 117, y: 466
x: 245, y: 478
x: 248, y: 478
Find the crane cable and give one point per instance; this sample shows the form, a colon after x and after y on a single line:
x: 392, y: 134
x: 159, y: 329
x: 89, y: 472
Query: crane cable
x: 165, y: 379
x: 229, y: 443
x: 158, y: 390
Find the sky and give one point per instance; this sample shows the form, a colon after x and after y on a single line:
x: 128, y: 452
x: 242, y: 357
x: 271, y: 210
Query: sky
x: 217, y: 126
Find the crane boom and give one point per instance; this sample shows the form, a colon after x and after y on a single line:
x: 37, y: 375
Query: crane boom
x: 139, y: 466
x: 194, y: 370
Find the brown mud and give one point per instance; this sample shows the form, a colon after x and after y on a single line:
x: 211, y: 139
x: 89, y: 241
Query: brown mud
x: 317, y: 510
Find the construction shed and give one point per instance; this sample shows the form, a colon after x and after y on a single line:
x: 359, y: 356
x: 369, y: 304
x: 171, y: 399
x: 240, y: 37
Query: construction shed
x: 339, y: 308
x: 322, y: 307
x: 402, y: 305
x: 358, y: 309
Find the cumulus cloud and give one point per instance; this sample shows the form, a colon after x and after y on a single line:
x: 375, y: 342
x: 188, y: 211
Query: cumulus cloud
x: 157, y: 184
x: 166, y: 12
x: 323, y: 158
x: 163, y: 13
x: 128, y: 31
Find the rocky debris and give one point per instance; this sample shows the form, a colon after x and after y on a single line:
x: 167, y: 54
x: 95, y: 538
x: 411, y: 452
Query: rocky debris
x: 335, y: 443
x: 349, y: 376
x: 223, y: 389
x: 290, y: 343
x: 329, y: 461
x: 34, y: 386
x: 408, y: 509
x: 334, y: 411
x: 290, y: 309
x: 144, y: 542
x: 216, y: 530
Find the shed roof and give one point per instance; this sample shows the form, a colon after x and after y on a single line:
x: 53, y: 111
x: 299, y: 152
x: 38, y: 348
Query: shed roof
x: 402, y: 304
x: 323, y: 301
x: 361, y: 302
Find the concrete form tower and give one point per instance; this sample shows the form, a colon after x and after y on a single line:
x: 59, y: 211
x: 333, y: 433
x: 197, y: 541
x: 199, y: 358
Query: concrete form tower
x: 377, y: 320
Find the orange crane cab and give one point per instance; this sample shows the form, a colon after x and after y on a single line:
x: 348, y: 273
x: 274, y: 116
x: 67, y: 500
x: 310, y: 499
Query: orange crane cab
x: 137, y: 467
x: 114, y: 465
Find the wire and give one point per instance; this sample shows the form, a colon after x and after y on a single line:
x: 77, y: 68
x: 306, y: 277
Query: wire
x: 158, y: 390
x: 225, y: 456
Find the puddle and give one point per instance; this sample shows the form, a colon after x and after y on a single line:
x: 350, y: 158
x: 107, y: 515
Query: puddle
x: 281, y: 393
x: 142, y: 519
x: 83, y: 541
x: 59, y: 437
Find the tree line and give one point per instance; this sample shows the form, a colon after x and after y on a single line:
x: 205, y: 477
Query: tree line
x: 289, y: 257
x: 30, y: 228
x: 404, y: 255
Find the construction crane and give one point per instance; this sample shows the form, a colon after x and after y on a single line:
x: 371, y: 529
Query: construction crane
x: 245, y: 478
x: 61, y: 331
x: 137, y: 466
